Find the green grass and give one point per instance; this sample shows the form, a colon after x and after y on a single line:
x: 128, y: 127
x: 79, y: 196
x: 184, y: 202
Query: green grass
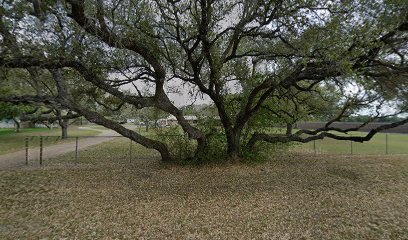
x: 397, y: 144
x: 105, y: 195
x: 97, y: 127
x: 10, y: 131
x: 127, y: 125
x: 11, y: 141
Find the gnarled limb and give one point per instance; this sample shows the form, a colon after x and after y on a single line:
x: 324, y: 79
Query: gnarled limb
x: 92, y: 116
x: 296, y: 138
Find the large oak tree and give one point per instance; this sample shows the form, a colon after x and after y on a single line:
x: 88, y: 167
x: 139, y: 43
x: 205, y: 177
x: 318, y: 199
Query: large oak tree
x: 248, y: 57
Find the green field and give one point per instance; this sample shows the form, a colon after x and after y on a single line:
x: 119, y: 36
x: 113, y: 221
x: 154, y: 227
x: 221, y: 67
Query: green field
x: 11, y: 141
x: 107, y: 195
x: 397, y: 144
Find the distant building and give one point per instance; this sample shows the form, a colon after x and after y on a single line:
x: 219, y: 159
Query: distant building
x: 192, y: 119
x: 172, y: 121
x: 6, y: 123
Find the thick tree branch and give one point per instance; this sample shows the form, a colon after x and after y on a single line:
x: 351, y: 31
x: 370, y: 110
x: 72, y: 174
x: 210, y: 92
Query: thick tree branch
x: 296, y: 138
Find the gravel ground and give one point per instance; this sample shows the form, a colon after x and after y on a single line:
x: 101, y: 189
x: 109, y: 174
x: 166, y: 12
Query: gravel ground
x: 299, y: 196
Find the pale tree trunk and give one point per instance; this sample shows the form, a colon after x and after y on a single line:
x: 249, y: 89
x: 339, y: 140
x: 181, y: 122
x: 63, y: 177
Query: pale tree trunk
x: 64, y: 128
x: 17, y: 125
x: 63, y: 124
x: 147, y: 126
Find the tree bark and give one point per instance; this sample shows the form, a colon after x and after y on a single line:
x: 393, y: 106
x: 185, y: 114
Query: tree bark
x: 201, y: 148
x: 147, y: 126
x: 65, y: 100
x: 289, y: 129
x: 17, y: 125
x: 64, y: 128
x: 234, y: 144
x: 146, y: 142
x: 63, y: 124
x: 164, y: 103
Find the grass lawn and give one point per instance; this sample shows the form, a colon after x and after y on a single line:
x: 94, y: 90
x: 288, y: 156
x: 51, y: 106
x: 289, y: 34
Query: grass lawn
x: 397, y: 144
x: 11, y: 141
x: 106, y: 196
x: 97, y: 127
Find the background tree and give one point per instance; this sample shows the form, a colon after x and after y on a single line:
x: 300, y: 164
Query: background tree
x: 33, y: 81
x: 9, y: 111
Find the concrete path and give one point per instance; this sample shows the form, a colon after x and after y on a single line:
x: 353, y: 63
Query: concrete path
x: 17, y: 159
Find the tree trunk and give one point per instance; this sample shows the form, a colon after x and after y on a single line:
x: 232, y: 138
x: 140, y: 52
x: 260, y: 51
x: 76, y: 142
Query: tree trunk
x: 201, y: 148
x: 45, y: 123
x: 17, y: 125
x: 164, y: 154
x: 144, y: 141
x: 234, y: 144
x: 147, y: 126
x: 289, y: 129
x: 63, y: 124
x: 64, y: 128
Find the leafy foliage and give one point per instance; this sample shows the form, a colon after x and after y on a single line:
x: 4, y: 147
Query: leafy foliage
x: 257, y: 62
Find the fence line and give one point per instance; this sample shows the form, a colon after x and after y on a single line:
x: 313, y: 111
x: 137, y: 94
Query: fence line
x: 29, y: 141
x: 181, y: 146
x: 383, y: 144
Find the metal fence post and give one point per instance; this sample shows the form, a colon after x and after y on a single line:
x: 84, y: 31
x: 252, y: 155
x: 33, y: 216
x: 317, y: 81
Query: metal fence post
x: 76, y: 149
x: 386, y: 143
x: 185, y: 145
x: 130, y: 151
x: 179, y: 137
x: 351, y: 147
x: 41, y: 149
x: 26, y: 150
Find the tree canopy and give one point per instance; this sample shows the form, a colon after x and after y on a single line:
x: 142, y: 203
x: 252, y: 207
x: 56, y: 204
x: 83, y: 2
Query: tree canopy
x: 278, y: 60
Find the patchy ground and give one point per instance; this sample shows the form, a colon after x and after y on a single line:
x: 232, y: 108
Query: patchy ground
x: 54, y: 148
x: 11, y: 141
x: 105, y: 196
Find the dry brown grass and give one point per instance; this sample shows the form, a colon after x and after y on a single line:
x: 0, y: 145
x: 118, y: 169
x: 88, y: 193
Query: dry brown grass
x: 296, y: 197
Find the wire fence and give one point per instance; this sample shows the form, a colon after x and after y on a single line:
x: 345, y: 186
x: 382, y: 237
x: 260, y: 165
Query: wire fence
x: 380, y: 144
x: 38, y: 148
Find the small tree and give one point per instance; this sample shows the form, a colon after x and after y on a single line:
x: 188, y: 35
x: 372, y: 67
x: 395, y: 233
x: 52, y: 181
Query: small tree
x: 13, y: 112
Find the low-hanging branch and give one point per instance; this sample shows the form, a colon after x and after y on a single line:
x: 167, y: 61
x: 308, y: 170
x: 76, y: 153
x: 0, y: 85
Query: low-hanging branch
x: 296, y: 138
x: 49, y: 118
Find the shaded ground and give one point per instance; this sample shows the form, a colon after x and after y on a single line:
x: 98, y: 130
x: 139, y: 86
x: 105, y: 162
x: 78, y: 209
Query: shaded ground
x: 108, y: 195
x: 17, y: 159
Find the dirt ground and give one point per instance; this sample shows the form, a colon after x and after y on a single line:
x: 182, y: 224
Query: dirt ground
x: 107, y: 195
x: 17, y: 159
